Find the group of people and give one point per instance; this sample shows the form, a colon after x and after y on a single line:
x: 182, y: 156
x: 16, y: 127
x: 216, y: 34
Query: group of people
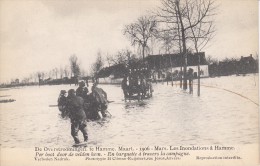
x: 81, y: 105
x: 136, y: 84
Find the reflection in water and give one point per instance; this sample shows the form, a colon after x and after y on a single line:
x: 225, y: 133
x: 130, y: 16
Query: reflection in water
x: 170, y: 117
x: 135, y: 104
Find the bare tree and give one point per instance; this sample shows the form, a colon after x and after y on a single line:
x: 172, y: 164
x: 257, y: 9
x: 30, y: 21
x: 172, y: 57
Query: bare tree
x: 35, y: 76
x: 141, y: 31
x: 40, y: 77
x: 109, y: 59
x: 56, y: 72
x: 210, y: 60
x: 181, y: 17
x: 30, y: 78
x: 167, y: 41
x: 123, y: 57
x: 66, y: 71
x: 98, y: 64
x: 43, y: 75
x: 202, y: 31
x: 50, y: 74
x: 74, y: 65
x: 61, y: 71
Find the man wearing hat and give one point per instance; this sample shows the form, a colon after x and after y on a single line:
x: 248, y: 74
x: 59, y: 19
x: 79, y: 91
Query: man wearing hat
x: 77, y: 116
x: 62, y: 102
x: 82, y: 90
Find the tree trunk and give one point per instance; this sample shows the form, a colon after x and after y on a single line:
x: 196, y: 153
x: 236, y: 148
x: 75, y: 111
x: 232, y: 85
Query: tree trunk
x: 183, y: 39
x: 181, y: 78
x: 185, y: 71
x: 143, y: 52
x: 199, y: 76
x: 171, y: 69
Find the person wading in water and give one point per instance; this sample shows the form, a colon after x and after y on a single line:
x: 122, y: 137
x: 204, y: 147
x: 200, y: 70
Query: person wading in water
x: 62, y: 103
x: 77, y: 116
x: 99, y: 99
x: 81, y: 89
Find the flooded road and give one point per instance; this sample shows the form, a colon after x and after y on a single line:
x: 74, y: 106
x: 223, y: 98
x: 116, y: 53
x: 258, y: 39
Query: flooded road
x: 170, y: 117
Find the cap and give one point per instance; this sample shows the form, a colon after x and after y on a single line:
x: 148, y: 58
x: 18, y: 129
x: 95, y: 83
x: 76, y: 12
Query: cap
x: 81, y: 83
x: 63, y: 92
x: 71, y: 91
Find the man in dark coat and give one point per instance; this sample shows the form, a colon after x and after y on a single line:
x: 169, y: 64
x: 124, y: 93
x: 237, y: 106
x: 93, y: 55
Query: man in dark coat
x: 81, y: 90
x: 99, y: 99
x: 77, y: 116
x: 62, y: 103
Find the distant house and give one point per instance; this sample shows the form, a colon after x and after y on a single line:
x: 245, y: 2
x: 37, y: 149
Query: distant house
x: 164, y: 65
x: 234, y: 66
x: 248, y: 65
x: 174, y: 60
x: 112, y: 74
x: 228, y: 67
x: 160, y: 66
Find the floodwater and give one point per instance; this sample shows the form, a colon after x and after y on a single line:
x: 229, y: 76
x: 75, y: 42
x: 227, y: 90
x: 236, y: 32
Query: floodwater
x: 225, y: 113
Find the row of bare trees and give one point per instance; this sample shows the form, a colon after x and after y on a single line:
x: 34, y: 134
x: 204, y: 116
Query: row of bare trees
x: 179, y: 26
x: 55, y: 73
x: 68, y: 71
x: 60, y: 73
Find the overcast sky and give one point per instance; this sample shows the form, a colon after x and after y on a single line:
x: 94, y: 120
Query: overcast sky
x: 39, y: 35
